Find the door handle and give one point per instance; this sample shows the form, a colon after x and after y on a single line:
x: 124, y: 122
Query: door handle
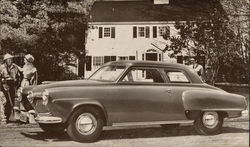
x: 168, y: 90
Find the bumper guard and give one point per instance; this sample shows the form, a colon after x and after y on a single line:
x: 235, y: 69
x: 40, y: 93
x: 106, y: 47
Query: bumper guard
x: 48, y: 119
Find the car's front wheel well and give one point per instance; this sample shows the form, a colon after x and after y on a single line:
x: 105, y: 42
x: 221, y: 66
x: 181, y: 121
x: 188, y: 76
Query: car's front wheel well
x: 86, y: 106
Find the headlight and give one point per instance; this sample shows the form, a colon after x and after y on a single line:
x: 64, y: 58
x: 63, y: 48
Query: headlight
x: 30, y: 96
x: 45, y: 97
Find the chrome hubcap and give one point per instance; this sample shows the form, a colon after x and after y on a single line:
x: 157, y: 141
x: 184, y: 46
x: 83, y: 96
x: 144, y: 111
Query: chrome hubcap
x: 210, y: 119
x: 86, y: 123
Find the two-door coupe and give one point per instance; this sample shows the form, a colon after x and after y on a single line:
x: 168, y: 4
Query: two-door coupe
x: 133, y: 93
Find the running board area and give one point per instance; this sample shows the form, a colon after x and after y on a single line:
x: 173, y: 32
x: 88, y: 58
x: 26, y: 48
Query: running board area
x: 181, y: 122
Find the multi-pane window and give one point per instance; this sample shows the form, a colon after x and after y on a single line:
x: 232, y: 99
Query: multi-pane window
x: 164, y: 31
x: 126, y: 58
x: 141, y: 31
x: 98, y: 61
x: 106, y: 32
x: 123, y: 57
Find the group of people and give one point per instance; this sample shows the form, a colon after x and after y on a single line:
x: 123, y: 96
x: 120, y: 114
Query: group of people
x: 14, y: 77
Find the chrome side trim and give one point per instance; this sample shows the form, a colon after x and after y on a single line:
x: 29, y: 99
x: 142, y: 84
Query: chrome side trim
x: 48, y: 119
x: 223, y: 109
x: 154, y: 123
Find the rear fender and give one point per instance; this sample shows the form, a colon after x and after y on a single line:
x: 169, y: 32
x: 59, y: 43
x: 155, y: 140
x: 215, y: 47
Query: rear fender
x: 213, y: 100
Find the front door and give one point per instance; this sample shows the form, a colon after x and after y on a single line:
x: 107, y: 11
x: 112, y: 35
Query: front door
x: 143, y: 99
x: 151, y: 56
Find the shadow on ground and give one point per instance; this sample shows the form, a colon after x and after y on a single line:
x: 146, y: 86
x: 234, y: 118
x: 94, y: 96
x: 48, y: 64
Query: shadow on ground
x: 39, y: 135
x: 154, y: 132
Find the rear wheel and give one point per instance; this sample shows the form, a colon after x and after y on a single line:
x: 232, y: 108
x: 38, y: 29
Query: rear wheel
x: 85, y: 125
x: 52, y: 128
x: 209, y: 123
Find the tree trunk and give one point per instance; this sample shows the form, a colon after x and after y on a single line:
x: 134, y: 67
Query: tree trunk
x: 215, y: 74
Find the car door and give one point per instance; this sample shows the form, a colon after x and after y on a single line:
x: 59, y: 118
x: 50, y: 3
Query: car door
x: 143, y: 97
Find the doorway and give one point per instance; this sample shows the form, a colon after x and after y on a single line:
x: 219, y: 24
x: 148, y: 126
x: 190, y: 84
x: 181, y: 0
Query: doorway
x: 152, y: 56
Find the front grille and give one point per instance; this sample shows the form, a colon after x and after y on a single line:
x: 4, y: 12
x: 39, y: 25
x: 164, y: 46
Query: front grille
x: 25, y: 102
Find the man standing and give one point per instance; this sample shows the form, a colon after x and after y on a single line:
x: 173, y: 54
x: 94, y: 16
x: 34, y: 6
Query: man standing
x: 10, y: 79
x: 198, y: 68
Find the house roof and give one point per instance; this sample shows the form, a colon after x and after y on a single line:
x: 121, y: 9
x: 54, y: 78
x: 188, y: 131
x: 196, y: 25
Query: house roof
x: 131, y: 11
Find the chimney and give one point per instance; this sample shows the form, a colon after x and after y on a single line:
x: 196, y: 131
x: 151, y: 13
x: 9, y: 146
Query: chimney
x: 158, y: 2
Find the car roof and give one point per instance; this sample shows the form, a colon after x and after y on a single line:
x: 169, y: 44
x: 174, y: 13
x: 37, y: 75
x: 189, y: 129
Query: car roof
x: 194, y: 77
x: 146, y: 63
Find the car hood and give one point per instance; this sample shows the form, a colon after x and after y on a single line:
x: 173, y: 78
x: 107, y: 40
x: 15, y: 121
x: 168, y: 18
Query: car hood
x: 70, y: 83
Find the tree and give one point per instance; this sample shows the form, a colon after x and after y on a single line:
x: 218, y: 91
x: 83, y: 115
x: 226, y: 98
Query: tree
x: 238, y: 12
x: 211, y: 37
x: 53, y: 31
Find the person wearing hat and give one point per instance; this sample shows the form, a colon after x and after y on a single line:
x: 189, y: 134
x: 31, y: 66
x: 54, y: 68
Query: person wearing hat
x: 10, y: 80
x: 197, y: 67
x: 29, y: 78
x: 29, y: 71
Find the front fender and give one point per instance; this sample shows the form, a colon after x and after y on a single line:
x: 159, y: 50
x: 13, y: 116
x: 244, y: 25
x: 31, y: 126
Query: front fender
x: 65, y: 107
x: 213, y: 100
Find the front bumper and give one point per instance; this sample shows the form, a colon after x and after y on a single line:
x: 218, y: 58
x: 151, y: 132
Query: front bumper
x: 45, y: 119
x: 244, y: 113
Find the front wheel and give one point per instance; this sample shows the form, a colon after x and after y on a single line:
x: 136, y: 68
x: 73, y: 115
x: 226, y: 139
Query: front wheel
x: 209, y: 123
x: 85, y: 125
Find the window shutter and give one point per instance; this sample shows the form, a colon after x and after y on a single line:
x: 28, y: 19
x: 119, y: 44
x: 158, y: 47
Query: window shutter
x: 112, y: 32
x: 100, y: 32
x: 88, y: 63
x: 154, y: 32
x: 106, y: 59
x: 134, y: 32
x: 131, y: 57
x: 167, y: 31
x: 113, y: 58
x: 147, y: 32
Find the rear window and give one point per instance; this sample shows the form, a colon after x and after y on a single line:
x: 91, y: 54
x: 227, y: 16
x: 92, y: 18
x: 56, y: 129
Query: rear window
x: 176, y: 77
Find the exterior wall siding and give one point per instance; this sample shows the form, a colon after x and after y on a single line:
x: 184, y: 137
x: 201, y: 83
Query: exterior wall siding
x: 124, y: 44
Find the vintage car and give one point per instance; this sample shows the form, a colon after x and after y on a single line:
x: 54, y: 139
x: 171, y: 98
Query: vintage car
x: 124, y: 93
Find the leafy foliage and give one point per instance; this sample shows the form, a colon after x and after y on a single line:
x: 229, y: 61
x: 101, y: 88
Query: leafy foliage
x: 51, y: 30
x: 214, y: 39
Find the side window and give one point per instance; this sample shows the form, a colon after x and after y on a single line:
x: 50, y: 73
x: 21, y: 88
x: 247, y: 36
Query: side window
x: 176, y: 77
x: 136, y: 75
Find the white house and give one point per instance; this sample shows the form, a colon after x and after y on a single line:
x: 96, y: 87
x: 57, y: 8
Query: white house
x: 132, y: 30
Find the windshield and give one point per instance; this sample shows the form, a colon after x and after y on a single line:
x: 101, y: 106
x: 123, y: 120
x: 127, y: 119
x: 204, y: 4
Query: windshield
x: 108, y: 73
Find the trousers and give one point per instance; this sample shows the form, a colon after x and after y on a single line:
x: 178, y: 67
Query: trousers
x: 9, y: 91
